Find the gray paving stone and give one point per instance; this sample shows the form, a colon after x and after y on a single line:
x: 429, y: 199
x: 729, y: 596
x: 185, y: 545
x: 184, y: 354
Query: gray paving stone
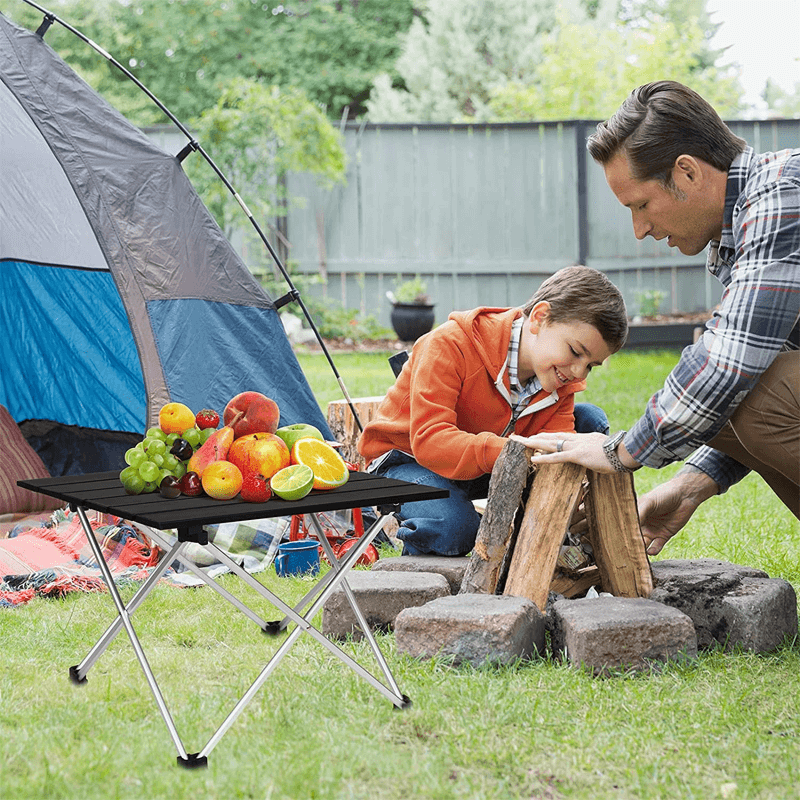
x: 606, y: 633
x: 453, y: 568
x: 381, y: 596
x: 473, y: 628
x: 728, y: 603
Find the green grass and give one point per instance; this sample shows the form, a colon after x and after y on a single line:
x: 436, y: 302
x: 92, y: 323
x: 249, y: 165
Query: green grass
x: 724, y: 725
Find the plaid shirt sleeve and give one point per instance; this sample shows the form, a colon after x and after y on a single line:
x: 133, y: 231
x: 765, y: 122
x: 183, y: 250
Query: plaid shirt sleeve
x: 759, y: 264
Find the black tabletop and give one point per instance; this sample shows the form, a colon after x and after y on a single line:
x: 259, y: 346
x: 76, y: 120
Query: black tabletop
x: 103, y: 491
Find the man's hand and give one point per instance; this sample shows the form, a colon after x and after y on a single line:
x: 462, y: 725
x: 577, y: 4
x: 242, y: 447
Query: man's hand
x: 585, y: 449
x: 666, y: 509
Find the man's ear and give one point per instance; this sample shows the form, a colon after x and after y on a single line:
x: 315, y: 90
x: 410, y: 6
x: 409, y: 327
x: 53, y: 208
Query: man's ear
x: 687, y: 171
x: 539, y: 315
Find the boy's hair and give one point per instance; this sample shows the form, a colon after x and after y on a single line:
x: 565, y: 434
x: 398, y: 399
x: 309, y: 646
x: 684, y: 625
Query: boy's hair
x: 659, y: 122
x: 583, y: 294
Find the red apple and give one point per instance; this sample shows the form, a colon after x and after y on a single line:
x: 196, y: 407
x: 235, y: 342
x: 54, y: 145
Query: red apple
x: 260, y: 453
x: 258, y: 414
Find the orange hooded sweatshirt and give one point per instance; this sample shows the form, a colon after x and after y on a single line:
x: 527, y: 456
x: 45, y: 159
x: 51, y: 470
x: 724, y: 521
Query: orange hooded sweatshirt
x: 450, y: 405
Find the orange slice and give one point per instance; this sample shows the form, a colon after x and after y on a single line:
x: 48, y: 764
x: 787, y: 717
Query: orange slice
x: 327, y: 465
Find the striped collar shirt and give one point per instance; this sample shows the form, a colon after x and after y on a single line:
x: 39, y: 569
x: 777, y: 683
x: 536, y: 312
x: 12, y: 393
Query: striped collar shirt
x: 520, y: 394
x: 758, y: 261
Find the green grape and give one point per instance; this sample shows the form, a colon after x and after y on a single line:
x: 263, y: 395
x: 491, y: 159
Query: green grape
x: 156, y: 433
x: 180, y: 470
x: 149, y: 471
x: 140, y: 446
x: 135, y: 457
x: 192, y: 435
x: 164, y: 474
x: 205, y: 434
x: 157, y: 459
x: 150, y: 487
x: 170, y: 462
x: 128, y: 473
x: 170, y: 440
x: 134, y: 485
x: 156, y: 447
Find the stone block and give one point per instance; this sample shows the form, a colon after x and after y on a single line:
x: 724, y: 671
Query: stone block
x: 473, y: 628
x: 728, y: 603
x: 606, y: 633
x: 452, y: 568
x: 380, y: 596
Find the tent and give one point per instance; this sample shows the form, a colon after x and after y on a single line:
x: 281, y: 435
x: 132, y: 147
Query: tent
x: 118, y: 291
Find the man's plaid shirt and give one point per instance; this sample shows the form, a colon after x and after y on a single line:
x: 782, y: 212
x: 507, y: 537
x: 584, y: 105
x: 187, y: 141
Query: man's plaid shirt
x: 758, y: 261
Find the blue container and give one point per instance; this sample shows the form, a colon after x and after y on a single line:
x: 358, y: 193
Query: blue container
x: 297, y: 558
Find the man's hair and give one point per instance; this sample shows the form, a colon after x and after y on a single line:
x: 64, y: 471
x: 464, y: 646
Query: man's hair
x: 583, y: 294
x: 659, y: 122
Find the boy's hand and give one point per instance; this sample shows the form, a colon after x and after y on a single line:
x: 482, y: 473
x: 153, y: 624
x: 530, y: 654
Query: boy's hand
x: 585, y: 449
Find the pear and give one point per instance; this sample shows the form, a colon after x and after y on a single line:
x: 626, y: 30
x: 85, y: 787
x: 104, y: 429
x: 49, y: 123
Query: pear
x: 215, y: 448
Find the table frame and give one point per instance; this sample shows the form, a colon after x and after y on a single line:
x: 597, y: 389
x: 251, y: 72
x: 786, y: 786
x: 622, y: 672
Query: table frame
x: 103, y: 492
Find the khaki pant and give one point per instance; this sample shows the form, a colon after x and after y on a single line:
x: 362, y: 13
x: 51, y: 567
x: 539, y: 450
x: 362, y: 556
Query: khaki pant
x: 764, y: 431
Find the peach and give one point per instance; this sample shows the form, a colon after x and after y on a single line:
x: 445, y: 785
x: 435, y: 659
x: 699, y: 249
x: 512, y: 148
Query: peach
x: 260, y: 453
x: 221, y: 480
x: 175, y: 418
x: 251, y: 412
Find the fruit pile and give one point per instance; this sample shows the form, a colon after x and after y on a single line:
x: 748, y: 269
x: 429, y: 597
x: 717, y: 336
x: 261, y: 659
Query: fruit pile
x: 248, y: 456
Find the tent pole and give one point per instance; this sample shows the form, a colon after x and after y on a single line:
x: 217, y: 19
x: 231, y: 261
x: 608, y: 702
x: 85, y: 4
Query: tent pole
x: 49, y: 19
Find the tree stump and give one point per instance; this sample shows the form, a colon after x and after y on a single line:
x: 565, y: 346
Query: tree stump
x: 343, y: 424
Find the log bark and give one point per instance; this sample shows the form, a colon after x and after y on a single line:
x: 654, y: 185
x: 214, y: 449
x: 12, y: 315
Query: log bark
x: 343, y: 424
x: 555, y: 491
x: 494, y: 539
x: 616, y: 536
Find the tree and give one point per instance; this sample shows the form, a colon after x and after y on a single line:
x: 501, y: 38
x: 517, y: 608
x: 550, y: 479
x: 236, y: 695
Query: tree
x: 483, y: 60
x: 256, y: 134
x: 780, y: 102
x: 588, y: 71
x: 453, y: 59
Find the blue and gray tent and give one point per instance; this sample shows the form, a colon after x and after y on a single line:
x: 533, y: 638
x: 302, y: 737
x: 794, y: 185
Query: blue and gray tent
x: 118, y: 290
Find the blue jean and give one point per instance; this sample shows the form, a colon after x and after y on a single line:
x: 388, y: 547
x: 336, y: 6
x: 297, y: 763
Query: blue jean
x: 448, y: 527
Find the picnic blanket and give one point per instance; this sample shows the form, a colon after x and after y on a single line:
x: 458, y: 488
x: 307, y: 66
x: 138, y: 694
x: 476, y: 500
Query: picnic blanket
x: 54, y: 558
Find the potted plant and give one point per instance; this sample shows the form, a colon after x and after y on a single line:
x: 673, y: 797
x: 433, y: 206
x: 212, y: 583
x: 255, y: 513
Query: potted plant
x: 412, y: 309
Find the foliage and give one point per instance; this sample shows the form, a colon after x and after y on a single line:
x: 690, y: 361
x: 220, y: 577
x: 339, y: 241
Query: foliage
x: 452, y: 60
x: 257, y: 134
x: 186, y: 51
x: 650, y: 301
x: 588, y: 71
x: 331, y: 319
x: 780, y: 102
x: 508, y: 61
x: 412, y: 292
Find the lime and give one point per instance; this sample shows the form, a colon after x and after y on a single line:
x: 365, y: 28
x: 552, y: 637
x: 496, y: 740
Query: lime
x: 292, y: 483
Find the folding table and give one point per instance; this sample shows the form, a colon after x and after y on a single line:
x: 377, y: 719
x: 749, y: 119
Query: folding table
x: 187, y: 515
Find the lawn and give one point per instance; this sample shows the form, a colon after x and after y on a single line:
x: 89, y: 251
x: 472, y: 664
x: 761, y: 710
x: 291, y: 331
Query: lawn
x: 724, y: 725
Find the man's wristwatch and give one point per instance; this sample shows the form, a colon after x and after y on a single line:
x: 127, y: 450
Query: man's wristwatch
x: 610, y: 449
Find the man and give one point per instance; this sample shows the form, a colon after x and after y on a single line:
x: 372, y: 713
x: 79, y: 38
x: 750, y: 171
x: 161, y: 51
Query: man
x: 732, y: 403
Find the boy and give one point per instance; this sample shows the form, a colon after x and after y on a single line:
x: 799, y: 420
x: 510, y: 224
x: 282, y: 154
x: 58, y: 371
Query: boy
x: 478, y: 378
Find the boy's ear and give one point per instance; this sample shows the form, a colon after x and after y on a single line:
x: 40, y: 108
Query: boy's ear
x: 539, y: 315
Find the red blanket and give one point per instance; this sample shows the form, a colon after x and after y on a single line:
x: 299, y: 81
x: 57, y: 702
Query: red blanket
x: 54, y: 560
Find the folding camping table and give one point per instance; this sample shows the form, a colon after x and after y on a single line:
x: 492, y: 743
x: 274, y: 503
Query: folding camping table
x: 188, y: 515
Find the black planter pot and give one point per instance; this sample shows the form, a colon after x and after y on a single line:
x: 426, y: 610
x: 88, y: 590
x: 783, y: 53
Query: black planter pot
x: 410, y: 320
x: 669, y: 336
